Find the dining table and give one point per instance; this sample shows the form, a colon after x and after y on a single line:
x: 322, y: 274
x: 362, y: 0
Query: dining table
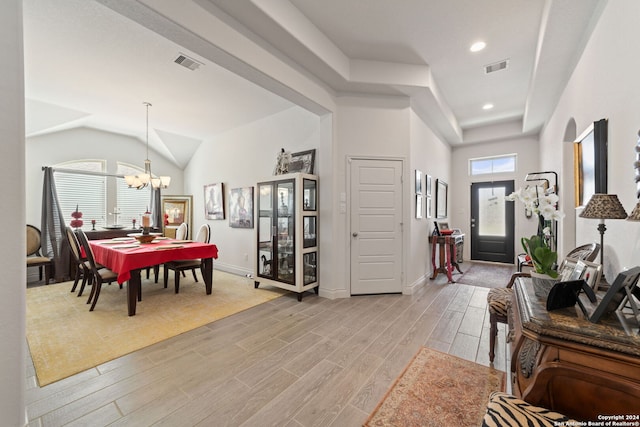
x: 128, y: 258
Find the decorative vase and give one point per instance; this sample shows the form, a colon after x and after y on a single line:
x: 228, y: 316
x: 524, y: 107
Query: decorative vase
x: 542, y: 284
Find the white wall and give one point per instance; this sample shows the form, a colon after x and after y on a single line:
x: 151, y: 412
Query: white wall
x: 12, y: 191
x: 604, y: 84
x: 243, y: 157
x: 526, y: 150
x: 430, y: 155
x: 85, y: 143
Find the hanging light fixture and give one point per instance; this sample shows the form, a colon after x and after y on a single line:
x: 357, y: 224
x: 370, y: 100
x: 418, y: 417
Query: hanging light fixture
x: 141, y: 181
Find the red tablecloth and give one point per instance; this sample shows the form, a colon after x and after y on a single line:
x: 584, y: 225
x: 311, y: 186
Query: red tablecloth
x: 122, y: 261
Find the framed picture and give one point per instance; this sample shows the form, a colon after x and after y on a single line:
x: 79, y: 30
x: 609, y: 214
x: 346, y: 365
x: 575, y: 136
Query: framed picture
x: 176, y: 209
x: 590, y: 162
x: 624, y: 285
x: 428, y: 185
x: 302, y: 161
x: 418, y: 206
x: 576, y: 269
x: 441, y: 198
x: 241, y: 207
x: 418, y: 182
x: 428, y: 208
x: 214, y: 201
x: 443, y: 225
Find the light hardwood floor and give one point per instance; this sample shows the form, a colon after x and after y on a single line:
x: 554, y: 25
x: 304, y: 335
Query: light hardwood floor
x: 318, y: 362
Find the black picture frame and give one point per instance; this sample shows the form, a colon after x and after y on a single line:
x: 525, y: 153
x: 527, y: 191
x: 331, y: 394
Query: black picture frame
x: 590, y: 162
x: 616, y: 294
x: 442, y: 189
x: 302, y: 161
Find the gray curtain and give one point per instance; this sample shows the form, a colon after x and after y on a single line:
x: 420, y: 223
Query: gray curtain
x: 54, y: 244
x: 156, y: 209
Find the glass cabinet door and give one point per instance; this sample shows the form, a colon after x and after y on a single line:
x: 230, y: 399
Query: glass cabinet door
x: 286, y: 231
x: 265, y: 230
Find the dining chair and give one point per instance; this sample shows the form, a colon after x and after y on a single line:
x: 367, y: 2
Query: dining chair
x: 34, y: 257
x: 82, y: 269
x: 100, y: 275
x: 180, y: 266
x: 182, y: 233
x: 498, y: 298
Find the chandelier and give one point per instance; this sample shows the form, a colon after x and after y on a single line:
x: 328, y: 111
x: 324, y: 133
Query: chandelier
x: 141, y: 181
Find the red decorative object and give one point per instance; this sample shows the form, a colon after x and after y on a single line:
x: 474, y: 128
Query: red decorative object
x: 166, y: 219
x: 76, y: 222
x: 446, y: 232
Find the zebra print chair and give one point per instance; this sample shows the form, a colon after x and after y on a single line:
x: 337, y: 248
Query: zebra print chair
x: 505, y: 410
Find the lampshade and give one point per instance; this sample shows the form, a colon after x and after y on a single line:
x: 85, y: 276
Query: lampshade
x: 604, y: 206
x: 635, y: 213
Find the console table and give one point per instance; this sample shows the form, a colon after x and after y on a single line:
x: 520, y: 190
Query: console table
x: 447, y: 247
x: 563, y: 362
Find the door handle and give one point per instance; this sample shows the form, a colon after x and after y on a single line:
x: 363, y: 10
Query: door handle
x: 355, y: 234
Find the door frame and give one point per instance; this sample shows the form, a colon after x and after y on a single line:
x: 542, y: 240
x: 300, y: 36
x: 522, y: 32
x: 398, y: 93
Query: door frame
x: 405, y: 213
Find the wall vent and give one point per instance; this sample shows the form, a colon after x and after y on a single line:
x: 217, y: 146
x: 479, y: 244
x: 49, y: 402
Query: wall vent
x: 187, y: 62
x: 496, y: 66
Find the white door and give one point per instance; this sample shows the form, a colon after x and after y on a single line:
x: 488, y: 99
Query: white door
x: 376, y: 226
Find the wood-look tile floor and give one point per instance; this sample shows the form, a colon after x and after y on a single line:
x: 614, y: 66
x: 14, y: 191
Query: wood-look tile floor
x: 318, y: 362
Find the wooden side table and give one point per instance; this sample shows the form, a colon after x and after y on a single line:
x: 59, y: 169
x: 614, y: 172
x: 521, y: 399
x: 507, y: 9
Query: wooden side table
x: 446, y: 246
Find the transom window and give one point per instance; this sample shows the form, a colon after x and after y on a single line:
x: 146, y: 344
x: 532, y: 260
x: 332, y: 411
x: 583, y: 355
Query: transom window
x: 491, y: 165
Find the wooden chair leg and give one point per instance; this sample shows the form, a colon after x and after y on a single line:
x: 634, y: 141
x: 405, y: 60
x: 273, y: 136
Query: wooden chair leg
x: 177, y: 280
x: 97, y: 287
x: 193, y: 270
x: 76, y: 278
x: 166, y: 276
x: 493, y: 331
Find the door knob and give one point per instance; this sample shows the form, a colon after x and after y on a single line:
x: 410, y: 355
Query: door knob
x: 355, y: 234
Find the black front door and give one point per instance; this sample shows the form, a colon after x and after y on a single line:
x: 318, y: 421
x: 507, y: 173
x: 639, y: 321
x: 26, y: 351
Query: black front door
x: 492, y: 222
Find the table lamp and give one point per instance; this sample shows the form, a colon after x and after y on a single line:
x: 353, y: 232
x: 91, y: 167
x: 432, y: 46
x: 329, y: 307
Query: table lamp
x: 635, y: 213
x: 603, y: 206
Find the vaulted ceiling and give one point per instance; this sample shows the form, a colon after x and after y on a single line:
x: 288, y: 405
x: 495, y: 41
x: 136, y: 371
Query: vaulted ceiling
x: 88, y: 65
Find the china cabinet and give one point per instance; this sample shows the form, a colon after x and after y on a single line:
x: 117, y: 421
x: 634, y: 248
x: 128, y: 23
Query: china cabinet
x: 287, y: 230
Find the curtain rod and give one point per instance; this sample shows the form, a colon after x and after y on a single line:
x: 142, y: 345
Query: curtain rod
x: 81, y: 172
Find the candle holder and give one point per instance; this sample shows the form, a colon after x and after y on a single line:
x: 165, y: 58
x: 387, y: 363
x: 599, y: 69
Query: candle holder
x: 146, y: 223
x: 93, y: 225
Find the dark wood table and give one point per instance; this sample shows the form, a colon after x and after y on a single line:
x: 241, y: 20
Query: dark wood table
x: 128, y: 262
x: 563, y: 362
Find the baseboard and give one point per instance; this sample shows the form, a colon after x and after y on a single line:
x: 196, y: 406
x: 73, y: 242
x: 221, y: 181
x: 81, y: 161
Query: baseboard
x: 410, y: 289
x: 233, y: 269
x: 333, y: 293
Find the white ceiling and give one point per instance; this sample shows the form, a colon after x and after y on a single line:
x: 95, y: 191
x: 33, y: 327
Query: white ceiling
x: 86, y: 65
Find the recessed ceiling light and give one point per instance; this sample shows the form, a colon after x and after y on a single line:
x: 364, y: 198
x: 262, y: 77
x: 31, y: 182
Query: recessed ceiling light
x: 477, y: 46
x: 488, y: 106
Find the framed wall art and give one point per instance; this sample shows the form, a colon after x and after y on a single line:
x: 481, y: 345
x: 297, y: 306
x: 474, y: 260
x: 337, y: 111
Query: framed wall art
x: 241, y: 207
x: 441, y: 198
x: 590, y: 162
x: 427, y: 185
x: 302, y: 161
x: 176, y: 209
x: 214, y: 201
x: 418, y: 206
x: 418, y: 182
x: 428, y: 207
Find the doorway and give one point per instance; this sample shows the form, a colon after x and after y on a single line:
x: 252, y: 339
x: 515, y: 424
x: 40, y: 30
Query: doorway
x: 492, y: 222
x: 376, y: 226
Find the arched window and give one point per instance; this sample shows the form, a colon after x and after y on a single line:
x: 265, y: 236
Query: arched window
x: 131, y: 202
x: 85, y: 191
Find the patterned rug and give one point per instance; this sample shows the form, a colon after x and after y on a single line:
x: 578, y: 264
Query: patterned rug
x: 486, y: 275
x: 437, y: 389
x: 66, y: 338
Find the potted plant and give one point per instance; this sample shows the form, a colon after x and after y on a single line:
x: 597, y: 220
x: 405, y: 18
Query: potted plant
x: 540, y: 247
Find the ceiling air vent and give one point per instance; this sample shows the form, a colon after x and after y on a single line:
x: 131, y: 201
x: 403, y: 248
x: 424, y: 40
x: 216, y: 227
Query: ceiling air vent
x: 187, y: 62
x: 496, y: 66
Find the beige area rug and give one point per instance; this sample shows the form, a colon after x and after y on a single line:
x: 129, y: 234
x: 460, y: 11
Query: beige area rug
x: 66, y: 338
x: 437, y: 389
x: 486, y: 275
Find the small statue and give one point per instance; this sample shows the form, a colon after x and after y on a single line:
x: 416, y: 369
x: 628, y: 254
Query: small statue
x: 282, y: 164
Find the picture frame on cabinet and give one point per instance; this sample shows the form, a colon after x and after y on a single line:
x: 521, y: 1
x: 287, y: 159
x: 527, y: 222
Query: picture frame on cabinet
x: 624, y: 288
x: 302, y: 161
x: 214, y: 201
x: 241, y: 207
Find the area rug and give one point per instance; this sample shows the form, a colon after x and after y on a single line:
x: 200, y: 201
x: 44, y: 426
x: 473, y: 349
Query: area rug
x: 66, y: 338
x: 487, y: 275
x: 437, y: 389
